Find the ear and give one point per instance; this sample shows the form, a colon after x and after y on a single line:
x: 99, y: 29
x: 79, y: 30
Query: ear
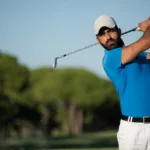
x: 97, y: 40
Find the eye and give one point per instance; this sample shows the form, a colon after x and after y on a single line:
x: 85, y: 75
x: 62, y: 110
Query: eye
x: 111, y: 30
x: 101, y: 33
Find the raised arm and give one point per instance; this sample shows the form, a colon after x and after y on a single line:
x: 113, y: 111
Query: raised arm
x: 133, y: 50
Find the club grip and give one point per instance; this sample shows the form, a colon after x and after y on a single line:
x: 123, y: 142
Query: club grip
x: 138, y: 29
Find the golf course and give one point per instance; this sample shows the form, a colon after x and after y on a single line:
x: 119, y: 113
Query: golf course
x: 105, y: 140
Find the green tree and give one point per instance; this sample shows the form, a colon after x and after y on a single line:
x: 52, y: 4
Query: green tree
x: 79, y: 89
x: 43, y: 92
x: 63, y: 96
x: 13, y: 82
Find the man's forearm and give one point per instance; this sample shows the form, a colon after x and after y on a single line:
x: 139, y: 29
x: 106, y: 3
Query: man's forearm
x: 133, y: 50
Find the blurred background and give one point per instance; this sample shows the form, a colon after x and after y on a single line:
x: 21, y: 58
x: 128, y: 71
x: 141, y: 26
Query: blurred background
x: 74, y: 106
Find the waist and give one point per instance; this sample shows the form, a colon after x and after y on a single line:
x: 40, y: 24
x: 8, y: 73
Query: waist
x: 145, y: 119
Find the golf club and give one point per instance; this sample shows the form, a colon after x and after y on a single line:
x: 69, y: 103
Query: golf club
x: 64, y: 55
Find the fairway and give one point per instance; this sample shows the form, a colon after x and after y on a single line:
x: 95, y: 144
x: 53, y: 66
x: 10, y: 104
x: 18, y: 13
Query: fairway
x: 89, y: 149
x: 105, y: 140
x: 86, y: 149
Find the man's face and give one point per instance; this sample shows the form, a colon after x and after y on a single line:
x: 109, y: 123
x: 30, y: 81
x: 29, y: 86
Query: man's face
x: 109, y: 38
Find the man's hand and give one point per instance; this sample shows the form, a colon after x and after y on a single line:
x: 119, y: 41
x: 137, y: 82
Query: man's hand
x: 144, y: 25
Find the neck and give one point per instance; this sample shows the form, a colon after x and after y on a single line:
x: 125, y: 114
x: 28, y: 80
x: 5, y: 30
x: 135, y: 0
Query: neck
x: 120, y: 43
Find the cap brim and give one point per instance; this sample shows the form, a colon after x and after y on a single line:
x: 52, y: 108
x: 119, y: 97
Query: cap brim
x: 104, y: 28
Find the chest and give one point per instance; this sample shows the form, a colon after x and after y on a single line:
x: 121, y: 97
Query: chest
x: 138, y: 67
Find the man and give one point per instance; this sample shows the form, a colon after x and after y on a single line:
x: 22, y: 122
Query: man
x: 129, y: 70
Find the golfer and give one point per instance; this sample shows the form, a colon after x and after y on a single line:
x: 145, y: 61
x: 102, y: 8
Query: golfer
x: 129, y: 70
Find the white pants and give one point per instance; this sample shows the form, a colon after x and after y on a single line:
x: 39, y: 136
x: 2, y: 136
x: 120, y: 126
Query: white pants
x: 133, y: 136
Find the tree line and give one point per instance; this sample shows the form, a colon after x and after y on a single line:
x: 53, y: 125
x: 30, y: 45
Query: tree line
x: 45, y: 101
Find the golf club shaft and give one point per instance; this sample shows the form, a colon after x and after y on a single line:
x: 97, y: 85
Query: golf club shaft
x: 64, y: 55
x: 134, y: 29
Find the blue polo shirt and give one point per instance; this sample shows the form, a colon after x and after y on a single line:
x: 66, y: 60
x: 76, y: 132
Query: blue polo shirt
x: 131, y: 81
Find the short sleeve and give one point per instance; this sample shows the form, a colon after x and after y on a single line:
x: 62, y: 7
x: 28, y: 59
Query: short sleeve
x: 114, y: 69
x: 113, y: 59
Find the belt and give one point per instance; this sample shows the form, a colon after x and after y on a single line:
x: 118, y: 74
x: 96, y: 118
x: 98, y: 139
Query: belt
x: 145, y: 119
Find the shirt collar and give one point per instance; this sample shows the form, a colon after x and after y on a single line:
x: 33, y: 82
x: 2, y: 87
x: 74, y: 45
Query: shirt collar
x: 106, y: 51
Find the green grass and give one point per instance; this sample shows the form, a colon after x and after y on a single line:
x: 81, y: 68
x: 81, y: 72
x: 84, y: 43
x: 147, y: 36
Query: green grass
x: 88, y: 141
x: 87, y: 149
x: 90, y: 149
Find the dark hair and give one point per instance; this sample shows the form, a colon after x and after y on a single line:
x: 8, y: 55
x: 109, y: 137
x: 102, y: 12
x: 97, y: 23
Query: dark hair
x: 104, y: 28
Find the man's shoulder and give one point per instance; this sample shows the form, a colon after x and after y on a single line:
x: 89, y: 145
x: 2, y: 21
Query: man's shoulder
x: 112, y: 60
x: 111, y: 55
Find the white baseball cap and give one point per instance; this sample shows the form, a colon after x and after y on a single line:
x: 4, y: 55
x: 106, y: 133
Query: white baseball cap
x: 103, y: 21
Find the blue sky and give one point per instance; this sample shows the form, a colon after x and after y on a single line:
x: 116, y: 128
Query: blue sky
x: 36, y: 31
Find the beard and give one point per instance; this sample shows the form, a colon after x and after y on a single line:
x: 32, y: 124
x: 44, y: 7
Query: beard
x: 112, y: 44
